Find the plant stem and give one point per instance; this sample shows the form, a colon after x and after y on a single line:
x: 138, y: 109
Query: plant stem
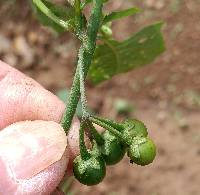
x: 40, y: 5
x: 83, y: 150
x: 86, y: 53
x: 79, y: 20
x: 95, y: 134
x: 111, y: 123
x: 85, y: 3
x: 109, y: 128
x: 77, y: 6
x: 82, y: 90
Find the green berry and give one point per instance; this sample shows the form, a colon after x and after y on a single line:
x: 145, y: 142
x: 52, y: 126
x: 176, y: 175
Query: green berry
x: 142, y: 151
x: 133, y: 128
x: 91, y: 171
x: 112, y: 150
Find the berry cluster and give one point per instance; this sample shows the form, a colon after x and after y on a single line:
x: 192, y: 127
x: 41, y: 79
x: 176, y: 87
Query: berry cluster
x: 109, y: 147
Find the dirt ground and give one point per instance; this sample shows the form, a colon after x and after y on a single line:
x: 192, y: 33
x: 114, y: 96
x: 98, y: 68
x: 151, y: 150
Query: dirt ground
x: 164, y: 94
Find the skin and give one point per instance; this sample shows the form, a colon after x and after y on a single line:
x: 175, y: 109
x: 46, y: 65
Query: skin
x: 34, y: 150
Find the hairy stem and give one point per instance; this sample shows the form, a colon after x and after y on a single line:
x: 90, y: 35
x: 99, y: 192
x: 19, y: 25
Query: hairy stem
x: 83, y: 150
x: 82, y: 90
x: 95, y: 134
x: 109, y: 128
x: 111, y: 123
x: 86, y: 53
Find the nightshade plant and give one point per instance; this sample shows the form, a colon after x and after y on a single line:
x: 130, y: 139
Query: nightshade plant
x: 100, y: 62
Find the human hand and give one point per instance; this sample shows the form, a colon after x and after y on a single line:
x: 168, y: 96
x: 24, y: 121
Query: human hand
x: 34, y: 150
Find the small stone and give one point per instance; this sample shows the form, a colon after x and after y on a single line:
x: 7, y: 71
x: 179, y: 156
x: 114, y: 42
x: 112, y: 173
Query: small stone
x: 21, y: 48
x: 155, y: 4
x: 4, y: 43
x: 161, y: 116
x: 10, y: 59
x: 32, y: 37
x: 159, y: 5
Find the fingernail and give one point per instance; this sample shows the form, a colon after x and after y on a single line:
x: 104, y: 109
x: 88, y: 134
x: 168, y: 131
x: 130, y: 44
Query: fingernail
x: 29, y: 147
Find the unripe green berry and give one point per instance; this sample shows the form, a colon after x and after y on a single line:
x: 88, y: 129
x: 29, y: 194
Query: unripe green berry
x: 133, y: 128
x: 89, y: 172
x: 142, y: 151
x: 112, y: 150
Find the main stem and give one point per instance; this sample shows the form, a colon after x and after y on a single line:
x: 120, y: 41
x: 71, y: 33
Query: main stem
x: 86, y: 53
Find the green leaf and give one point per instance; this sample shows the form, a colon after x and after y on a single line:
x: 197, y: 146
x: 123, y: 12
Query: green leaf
x: 115, y: 57
x: 64, y: 13
x: 120, y: 14
x: 63, y: 95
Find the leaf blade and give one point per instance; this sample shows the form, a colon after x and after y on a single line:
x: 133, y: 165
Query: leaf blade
x: 117, y: 15
x: 136, y: 51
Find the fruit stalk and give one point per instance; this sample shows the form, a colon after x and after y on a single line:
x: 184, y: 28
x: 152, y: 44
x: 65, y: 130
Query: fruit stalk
x: 95, y: 134
x: 112, y: 123
x: 83, y: 150
x: 109, y: 128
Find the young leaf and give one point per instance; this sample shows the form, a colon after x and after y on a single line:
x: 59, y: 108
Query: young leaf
x: 115, y: 57
x: 120, y: 14
x: 60, y: 13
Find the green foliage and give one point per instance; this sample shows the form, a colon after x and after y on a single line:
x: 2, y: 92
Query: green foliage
x: 65, y: 13
x: 115, y: 57
x: 120, y: 14
x: 106, y: 60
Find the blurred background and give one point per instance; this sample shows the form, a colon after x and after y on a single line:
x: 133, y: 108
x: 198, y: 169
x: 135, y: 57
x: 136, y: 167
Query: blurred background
x: 164, y: 94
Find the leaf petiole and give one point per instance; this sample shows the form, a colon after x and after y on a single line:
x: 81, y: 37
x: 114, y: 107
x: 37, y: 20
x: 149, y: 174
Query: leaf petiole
x: 43, y: 8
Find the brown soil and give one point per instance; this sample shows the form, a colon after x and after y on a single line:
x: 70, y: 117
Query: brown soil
x: 165, y: 94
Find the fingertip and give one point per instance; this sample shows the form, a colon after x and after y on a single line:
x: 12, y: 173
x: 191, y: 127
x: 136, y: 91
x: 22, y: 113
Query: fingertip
x: 33, y: 157
x: 26, y: 98
x: 47, y: 180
